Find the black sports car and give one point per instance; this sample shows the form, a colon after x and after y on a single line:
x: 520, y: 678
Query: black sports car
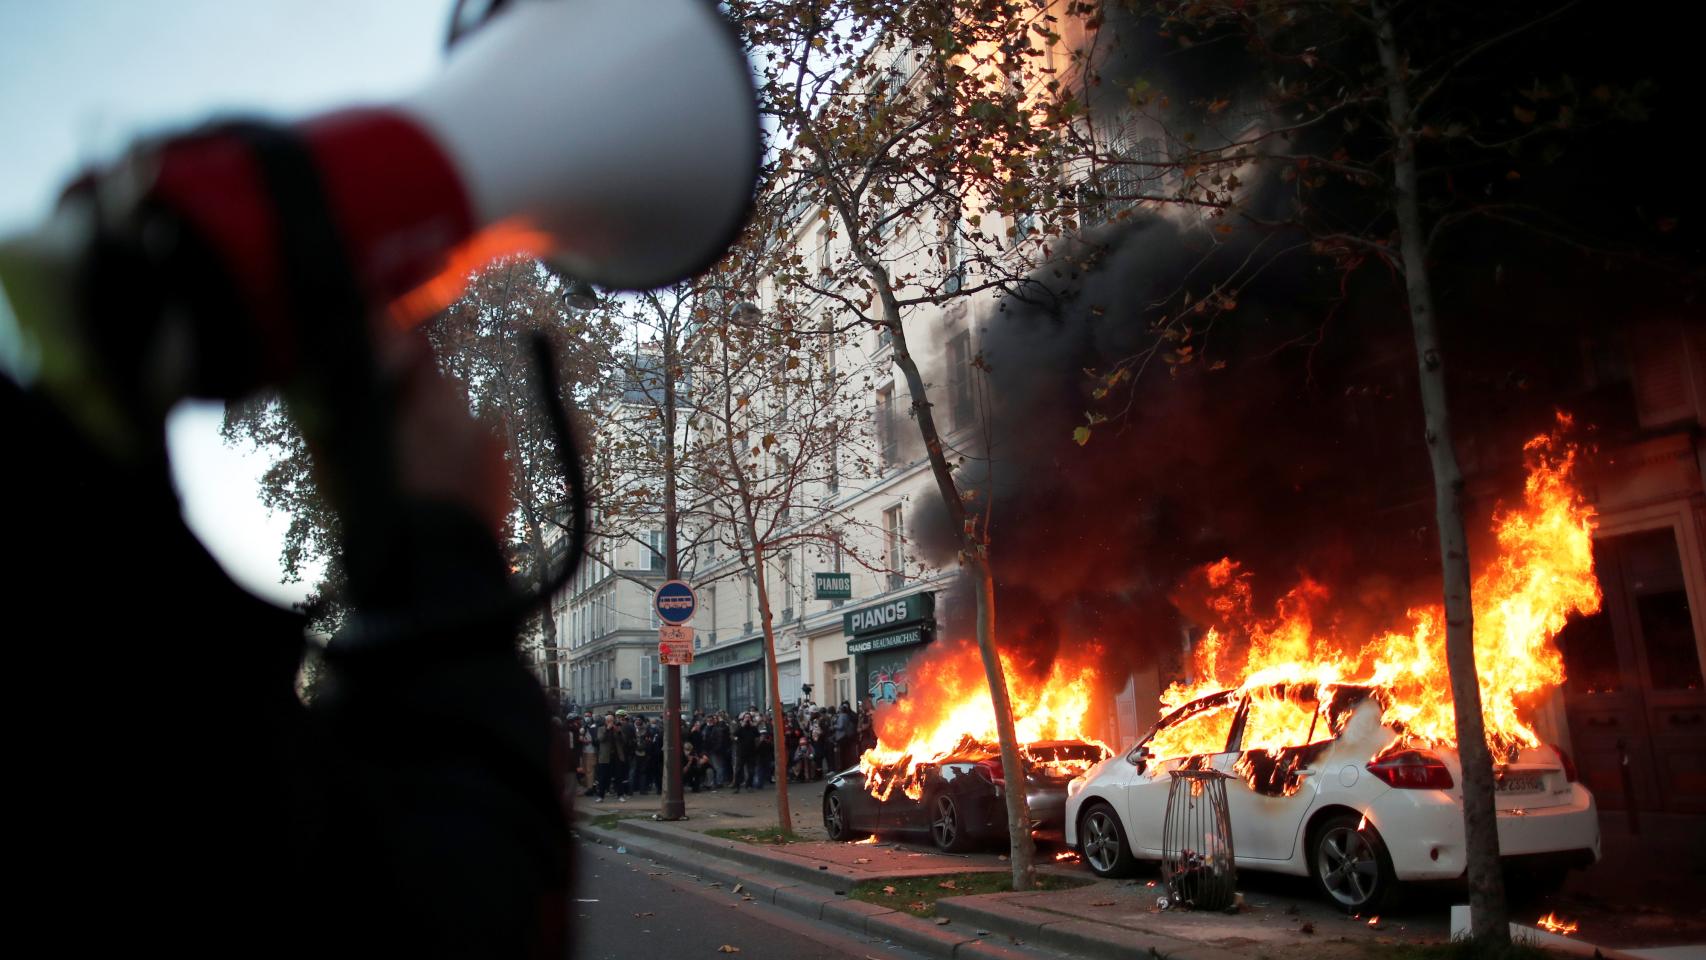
x: 959, y: 798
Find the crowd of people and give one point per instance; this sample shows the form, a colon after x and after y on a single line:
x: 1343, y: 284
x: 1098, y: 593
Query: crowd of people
x: 623, y: 755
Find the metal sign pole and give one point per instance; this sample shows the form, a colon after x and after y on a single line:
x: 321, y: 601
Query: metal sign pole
x: 670, y: 612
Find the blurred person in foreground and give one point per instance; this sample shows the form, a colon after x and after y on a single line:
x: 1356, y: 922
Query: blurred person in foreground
x: 414, y: 808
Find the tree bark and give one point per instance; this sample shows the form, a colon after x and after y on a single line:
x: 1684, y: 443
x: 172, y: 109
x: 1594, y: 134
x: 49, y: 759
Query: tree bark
x: 749, y: 524
x: 784, y: 815
x: 974, y: 560
x: 547, y: 618
x: 1491, y: 921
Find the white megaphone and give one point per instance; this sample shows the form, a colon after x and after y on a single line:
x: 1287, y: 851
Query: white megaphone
x: 616, y: 139
x: 624, y: 131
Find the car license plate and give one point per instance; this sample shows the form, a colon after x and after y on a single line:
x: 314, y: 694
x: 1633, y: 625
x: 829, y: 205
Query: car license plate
x: 1522, y: 783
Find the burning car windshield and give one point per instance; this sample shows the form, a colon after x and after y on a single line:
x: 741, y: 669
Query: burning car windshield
x: 1283, y: 716
x: 1202, y: 727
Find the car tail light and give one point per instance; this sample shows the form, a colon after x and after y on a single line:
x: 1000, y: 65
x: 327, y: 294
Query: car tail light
x: 991, y: 770
x: 1412, y: 770
x: 1569, y: 765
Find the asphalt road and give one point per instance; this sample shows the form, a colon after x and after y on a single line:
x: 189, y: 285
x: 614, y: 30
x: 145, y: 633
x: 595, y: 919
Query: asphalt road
x: 627, y: 907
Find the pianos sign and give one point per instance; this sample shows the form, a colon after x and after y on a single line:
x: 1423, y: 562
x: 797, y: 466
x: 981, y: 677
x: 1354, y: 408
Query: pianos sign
x: 834, y: 586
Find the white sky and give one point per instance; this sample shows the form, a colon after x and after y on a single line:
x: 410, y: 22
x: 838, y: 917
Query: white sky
x: 81, y: 79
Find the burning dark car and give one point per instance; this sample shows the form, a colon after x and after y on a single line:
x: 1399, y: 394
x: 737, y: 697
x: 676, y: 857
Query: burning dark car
x: 958, y: 798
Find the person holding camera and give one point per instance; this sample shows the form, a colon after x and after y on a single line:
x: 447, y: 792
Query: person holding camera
x: 612, y: 760
x: 745, y: 746
x: 846, y: 734
x: 765, y: 753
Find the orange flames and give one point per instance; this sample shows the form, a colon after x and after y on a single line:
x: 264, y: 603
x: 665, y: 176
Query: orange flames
x: 1541, y: 572
x: 922, y: 729
x: 1552, y: 923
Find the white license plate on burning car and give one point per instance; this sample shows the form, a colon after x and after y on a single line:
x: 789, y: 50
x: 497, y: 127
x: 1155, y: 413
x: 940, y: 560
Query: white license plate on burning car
x: 1520, y: 783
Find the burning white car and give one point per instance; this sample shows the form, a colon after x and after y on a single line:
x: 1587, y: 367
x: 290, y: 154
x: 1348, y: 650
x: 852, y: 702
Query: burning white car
x: 1322, y: 783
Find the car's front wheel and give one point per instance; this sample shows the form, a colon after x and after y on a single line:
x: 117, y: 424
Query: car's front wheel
x: 1102, y: 841
x: 1349, y: 862
x: 836, y: 819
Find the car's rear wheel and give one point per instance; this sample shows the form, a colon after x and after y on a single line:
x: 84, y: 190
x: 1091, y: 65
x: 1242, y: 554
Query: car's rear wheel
x: 1102, y: 841
x: 947, y: 826
x: 1351, y: 865
x: 837, y: 821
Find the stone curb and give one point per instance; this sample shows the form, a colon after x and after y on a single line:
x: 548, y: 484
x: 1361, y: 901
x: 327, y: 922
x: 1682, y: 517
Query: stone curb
x: 1078, y: 936
x: 814, y: 894
x: 772, y: 861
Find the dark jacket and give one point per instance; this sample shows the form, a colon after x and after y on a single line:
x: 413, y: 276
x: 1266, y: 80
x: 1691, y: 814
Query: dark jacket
x: 746, y: 738
x: 717, y: 741
x: 612, y: 746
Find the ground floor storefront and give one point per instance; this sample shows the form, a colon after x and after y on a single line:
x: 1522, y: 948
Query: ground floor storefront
x: 883, y: 640
x: 730, y: 678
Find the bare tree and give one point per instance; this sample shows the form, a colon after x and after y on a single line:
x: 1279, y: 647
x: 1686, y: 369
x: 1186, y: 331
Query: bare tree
x: 928, y: 138
x: 773, y: 414
x: 640, y: 460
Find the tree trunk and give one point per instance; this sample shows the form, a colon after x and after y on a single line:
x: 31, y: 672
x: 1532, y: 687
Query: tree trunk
x: 784, y: 816
x: 1021, y: 848
x: 547, y: 618
x: 541, y: 571
x: 973, y: 559
x: 1491, y: 920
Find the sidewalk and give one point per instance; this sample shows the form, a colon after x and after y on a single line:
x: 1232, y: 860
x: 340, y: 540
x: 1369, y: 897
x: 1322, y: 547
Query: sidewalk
x: 749, y: 807
x: 1646, y: 890
x: 1104, y: 919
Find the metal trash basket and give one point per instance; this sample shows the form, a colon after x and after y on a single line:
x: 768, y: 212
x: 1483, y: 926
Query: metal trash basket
x: 1196, y: 842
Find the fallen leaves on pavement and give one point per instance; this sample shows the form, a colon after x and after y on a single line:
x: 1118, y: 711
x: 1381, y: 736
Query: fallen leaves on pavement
x: 889, y: 891
x: 947, y: 885
x: 727, y: 948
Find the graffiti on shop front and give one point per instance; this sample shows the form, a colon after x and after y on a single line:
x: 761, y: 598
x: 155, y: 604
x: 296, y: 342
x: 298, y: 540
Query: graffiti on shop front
x: 887, y: 685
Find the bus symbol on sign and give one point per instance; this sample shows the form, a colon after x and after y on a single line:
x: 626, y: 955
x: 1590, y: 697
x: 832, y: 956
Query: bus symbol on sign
x: 675, y: 602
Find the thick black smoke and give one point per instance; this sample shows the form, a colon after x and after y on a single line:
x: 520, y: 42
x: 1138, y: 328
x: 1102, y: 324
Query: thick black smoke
x: 1292, y: 441
x: 1262, y: 448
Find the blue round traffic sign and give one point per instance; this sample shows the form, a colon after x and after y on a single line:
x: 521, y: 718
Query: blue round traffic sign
x: 675, y: 602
